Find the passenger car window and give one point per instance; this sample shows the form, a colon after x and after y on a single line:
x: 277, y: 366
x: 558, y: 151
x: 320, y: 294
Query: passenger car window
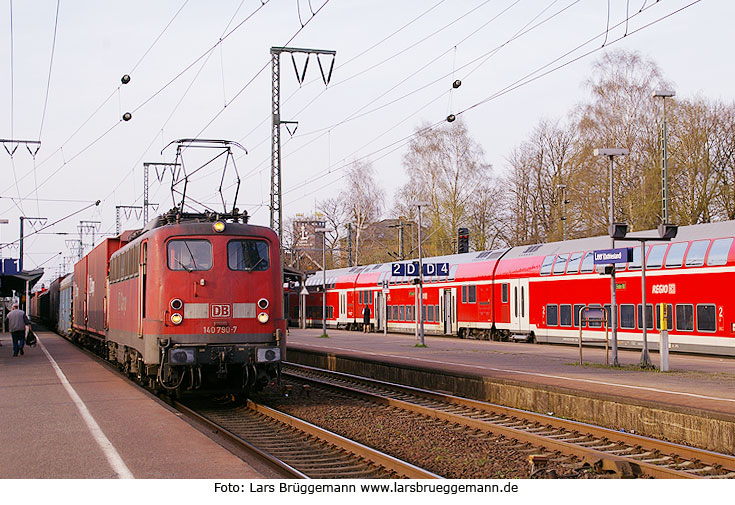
x: 552, y: 315
x: 706, y: 318
x: 656, y: 256
x: 636, y: 263
x: 565, y: 313
x: 627, y: 316
x: 574, y: 260
x: 576, y: 310
x: 684, y: 318
x: 695, y: 255
x: 588, y: 264
x: 719, y: 251
x: 675, y: 258
x: 649, y: 316
x: 248, y: 255
x: 546, y: 265
x: 560, y: 264
x: 189, y: 255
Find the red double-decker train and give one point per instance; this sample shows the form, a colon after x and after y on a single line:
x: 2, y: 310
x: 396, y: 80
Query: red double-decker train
x: 536, y: 292
x: 193, y: 302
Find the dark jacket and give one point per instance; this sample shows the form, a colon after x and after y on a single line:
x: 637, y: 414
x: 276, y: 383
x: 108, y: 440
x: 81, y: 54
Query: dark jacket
x: 366, y: 315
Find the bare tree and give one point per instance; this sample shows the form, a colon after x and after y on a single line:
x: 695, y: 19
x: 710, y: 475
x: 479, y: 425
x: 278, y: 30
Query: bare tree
x: 539, y: 166
x: 621, y: 114
x: 336, y: 216
x: 447, y: 169
x: 363, y: 200
x: 722, y: 152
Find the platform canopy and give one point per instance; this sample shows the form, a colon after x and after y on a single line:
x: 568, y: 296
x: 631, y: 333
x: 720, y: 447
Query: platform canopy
x: 17, y: 281
x: 293, y: 275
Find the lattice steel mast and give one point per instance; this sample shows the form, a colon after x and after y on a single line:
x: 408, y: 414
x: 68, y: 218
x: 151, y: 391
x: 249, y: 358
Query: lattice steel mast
x: 276, y: 220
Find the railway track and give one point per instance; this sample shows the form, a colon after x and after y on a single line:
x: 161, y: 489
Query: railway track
x: 626, y: 454
x: 298, y: 448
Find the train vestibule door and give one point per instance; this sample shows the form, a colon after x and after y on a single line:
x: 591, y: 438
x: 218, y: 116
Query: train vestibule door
x: 342, y: 318
x: 379, y: 312
x: 448, y: 304
x: 519, y: 311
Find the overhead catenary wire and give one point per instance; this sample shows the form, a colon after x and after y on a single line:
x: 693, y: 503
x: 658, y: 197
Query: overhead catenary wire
x: 535, y: 75
x: 94, y: 204
x: 523, y: 31
x: 50, y: 67
x: 145, y: 102
x: 106, y: 100
x: 528, y: 78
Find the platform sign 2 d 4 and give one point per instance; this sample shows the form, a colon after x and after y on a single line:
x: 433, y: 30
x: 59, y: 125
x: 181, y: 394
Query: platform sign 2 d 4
x: 607, y: 256
x: 412, y: 269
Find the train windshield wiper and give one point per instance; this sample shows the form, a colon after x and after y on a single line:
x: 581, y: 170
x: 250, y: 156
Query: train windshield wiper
x: 253, y: 267
x: 191, y: 255
x: 190, y: 270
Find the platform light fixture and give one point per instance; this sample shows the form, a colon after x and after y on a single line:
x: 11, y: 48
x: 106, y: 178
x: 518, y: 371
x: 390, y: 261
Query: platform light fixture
x: 420, y: 307
x: 324, y: 231
x: 663, y: 95
x: 611, y: 153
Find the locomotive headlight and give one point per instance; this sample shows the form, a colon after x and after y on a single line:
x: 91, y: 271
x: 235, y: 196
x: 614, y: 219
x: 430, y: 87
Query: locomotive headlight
x: 263, y: 303
x: 263, y: 317
x: 176, y: 318
x: 219, y: 226
x: 176, y: 304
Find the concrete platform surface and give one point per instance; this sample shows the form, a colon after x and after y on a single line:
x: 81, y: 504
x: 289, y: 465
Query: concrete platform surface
x: 46, y: 433
x: 703, y: 383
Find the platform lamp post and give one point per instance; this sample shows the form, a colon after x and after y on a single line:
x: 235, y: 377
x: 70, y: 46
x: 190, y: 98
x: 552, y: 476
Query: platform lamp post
x: 663, y: 95
x: 324, y: 231
x: 611, y: 153
x: 666, y: 233
x: 420, y: 307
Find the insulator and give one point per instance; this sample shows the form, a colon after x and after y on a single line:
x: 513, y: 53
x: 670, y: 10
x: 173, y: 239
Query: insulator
x: 451, y: 117
x: 127, y: 116
x: 125, y: 79
x: 456, y: 84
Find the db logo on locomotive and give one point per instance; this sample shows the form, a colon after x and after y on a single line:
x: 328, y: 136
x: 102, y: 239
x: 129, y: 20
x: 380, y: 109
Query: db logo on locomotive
x: 220, y: 310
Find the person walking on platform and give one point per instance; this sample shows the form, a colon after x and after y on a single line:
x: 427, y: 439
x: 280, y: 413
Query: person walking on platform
x: 17, y: 324
x: 366, y: 319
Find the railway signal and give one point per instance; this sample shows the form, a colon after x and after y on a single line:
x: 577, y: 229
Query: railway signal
x: 463, y: 240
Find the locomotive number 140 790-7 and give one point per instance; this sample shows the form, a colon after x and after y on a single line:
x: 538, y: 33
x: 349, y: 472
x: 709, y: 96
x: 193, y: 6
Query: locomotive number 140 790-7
x: 219, y: 329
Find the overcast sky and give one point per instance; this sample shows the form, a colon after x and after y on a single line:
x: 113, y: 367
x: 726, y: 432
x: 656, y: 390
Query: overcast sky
x: 395, y: 64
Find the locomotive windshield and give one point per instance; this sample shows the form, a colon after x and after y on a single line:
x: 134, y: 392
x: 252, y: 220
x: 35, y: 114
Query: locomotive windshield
x: 248, y: 255
x: 189, y: 255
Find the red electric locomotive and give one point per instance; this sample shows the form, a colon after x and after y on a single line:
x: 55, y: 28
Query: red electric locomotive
x: 188, y: 303
x: 535, y: 293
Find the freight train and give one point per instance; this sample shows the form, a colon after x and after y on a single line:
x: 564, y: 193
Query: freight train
x: 535, y: 293
x: 190, y: 303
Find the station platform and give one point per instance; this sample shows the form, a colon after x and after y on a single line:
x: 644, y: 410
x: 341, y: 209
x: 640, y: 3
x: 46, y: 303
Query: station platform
x: 695, y: 399
x: 64, y: 415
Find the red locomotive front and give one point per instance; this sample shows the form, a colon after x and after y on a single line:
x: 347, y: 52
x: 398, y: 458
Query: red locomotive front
x: 197, y: 305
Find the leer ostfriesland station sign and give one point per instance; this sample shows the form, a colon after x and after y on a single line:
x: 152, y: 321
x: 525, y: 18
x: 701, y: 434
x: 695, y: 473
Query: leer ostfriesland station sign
x: 607, y: 256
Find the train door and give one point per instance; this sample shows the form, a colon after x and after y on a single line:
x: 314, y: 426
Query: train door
x: 143, y: 283
x: 525, y: 306
x: 519, y: 306
x: 342, y: 308
x: 448, y: 304
x: 379, y: 311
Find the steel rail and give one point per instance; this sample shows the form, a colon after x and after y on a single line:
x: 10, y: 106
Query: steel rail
x: 234, y: 439
x: 621, y: 464
x: 381, y: 459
